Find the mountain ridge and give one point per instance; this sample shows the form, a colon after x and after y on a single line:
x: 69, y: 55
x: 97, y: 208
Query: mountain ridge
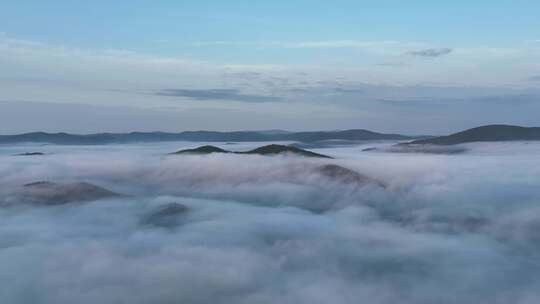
x: 487, y: 133
x: 272, y: 149
x: 197, y: 136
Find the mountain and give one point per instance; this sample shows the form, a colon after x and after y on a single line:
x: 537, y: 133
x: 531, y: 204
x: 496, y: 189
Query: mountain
x: 202, y: 150
x: 281, y: 149
x: 357, y: 134
x: 197, y: 136
x: 58, y: 138
x: 273, y: 132
x: 345, y: 175
x: 46, y: 193
x: 264, y: 150
x: 485, y: 133
x: 167, y: 216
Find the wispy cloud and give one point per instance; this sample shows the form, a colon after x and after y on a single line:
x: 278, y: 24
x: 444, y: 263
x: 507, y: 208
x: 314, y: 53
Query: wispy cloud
x: 431, y: 52
x: 216, y: 94
x: 393, y: 64
x: 340, y: 44
x: 302, y: 44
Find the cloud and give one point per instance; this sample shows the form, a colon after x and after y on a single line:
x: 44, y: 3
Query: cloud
x: 340, y: 44
x: 40, y: 72
x: 316, y: 44
x: 252, y: 233
x: 431, y: 52
x: 534, y: 78
x: 345, y: 90
x: 393, y: 64
x: 216, y: 94
x: 249, y: 76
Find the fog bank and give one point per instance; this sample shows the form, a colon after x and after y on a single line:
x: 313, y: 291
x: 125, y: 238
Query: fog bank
x: 460, y: 228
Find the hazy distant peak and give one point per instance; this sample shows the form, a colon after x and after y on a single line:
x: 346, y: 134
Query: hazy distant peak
x: 198, y: 136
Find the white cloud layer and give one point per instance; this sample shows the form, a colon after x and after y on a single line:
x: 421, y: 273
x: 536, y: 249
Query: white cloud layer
x: 447, y: 229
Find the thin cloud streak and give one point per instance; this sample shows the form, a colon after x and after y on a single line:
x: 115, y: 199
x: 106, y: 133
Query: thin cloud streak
x: 431, y: 52
x: 301, y: 44
x: 216, y: 94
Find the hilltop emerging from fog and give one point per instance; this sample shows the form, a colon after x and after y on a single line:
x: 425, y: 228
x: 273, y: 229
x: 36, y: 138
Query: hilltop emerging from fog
x: 265, y: 150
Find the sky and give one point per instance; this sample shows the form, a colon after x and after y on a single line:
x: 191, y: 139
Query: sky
x: 414, y: 67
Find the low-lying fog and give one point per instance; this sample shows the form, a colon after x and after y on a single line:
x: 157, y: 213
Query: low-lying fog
x: 426, y: 228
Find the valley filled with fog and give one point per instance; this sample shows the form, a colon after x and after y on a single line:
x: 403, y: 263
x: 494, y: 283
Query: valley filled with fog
x: 381, y: 226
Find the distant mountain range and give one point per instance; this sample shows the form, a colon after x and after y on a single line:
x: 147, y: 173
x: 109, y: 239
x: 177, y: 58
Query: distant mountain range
x: 198, y: 136
x: 484, y: 134
x: 479, y: 134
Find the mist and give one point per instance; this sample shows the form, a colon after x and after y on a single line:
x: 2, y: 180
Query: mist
x: 424, y: 228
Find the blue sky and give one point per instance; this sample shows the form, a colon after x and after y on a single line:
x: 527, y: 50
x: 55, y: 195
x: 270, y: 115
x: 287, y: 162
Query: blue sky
x: 146, y: 25
x: 304, y: 59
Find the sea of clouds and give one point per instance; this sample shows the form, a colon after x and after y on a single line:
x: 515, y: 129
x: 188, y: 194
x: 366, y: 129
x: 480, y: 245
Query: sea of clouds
x: 458, y: 228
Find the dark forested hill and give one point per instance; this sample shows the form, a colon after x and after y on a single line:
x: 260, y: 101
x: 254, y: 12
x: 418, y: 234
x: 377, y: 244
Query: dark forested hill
x: 485, y: 133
